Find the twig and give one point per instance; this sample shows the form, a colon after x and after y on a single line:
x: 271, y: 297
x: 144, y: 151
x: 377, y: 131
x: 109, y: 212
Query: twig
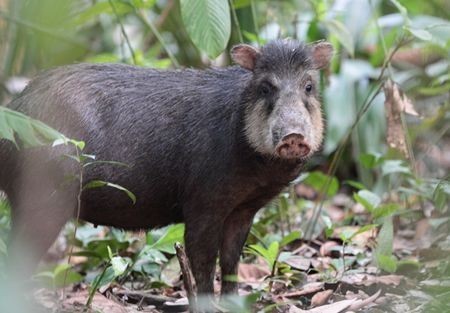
x: 143, y: 17
x: 255, y: 21
x: 236, y: 21
x: 80, y: 190
x: 124, y: 33
x: 188, y: 278
x: 160, y: 21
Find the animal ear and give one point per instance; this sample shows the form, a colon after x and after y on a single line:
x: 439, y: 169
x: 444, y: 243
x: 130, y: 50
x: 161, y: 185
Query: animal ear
x: 245, y: 56
x: 322, y: 53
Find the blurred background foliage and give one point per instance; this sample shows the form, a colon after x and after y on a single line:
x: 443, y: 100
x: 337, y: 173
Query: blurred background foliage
x: 407, y: 41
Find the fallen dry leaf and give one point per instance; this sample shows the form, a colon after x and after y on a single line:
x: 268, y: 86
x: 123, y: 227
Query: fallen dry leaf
x: 298, y: 262
x: 327, y: 248
x: 336, y: 307
x: 395, y: 103
x: 359, y: 304
x: 252, y: 273
x: 321, y: 298
x: 368, y: 280
x: 306, y: 290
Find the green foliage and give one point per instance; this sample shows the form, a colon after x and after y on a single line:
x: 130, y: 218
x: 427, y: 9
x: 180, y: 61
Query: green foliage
x: 164, y: 33
x: 164, y: 239
x: 17, y: 126
x: 208, y: 23
x: 114, y: 269
x: 59, y: 276
x: 321, y: 182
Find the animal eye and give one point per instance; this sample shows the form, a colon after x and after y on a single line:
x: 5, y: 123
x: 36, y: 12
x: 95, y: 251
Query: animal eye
x: 265, y: 88
x: 308, y: 88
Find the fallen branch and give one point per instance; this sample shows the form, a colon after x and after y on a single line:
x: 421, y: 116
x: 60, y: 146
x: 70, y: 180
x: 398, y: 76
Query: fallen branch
x: 188, y: 278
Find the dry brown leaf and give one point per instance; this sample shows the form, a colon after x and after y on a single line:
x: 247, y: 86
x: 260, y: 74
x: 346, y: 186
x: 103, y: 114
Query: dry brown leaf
x: 326, y: 248
x: 403, y: 102
x: 368, y: 280
x: 335, y: 213
x: 298, y: 262
x: 336, y: 307
x: 252, y: 273
x: 395, y: 104
x: 306, y: 290
x: 305, y: 191
x: 359, y: 304
x: 321, y: 298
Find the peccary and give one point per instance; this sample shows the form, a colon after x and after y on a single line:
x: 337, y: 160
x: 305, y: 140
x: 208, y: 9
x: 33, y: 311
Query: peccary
x: 205, y: 147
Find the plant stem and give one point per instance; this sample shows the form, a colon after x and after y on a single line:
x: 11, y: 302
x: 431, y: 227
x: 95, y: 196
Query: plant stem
x: 236, y: 21
x: 124, y: 33
x: 80, y: 190
x: 141, y: 14
x: 255, y: 21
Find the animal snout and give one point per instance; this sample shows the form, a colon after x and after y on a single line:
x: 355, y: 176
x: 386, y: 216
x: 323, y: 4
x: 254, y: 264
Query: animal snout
x: 293, y: 146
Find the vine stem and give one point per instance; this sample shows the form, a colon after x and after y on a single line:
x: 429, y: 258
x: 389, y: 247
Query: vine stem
x: 236, y: 21
x: 80, y: 190
x: 124, y: 33
x: 143, y: 17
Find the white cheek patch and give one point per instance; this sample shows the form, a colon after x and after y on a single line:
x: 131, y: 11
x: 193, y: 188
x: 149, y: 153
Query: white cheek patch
x: 258, y: 128
x: 317, y: 125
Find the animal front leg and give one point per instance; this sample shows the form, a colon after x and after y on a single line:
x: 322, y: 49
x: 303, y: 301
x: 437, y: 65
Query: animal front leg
x: 235, y: 232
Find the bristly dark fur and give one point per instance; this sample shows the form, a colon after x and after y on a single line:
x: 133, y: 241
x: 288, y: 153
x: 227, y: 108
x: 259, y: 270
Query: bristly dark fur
x: 181, y: 132
x: 279, y: 53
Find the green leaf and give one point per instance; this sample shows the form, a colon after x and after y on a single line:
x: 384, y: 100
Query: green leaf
x: 208, y: 24
x: 238, y: 4
x: 383, y: 251
x: 290, y: 238
x: 101, y: 7
x: 363, y: 229
x: 385, y: 210
x: 173, y: 234
x: 319, y: 181
x: 369, y: 160
x: 385, y: 238
x: 394, y: 166
x: 342, y: 34
x: 269, y: 255
x: 64, y: 275
x: 30, y: 132
x: 387, y: 263
x: 101, y: 183
x: 104, y: 278
x: 355, y: 184
x: 441, y: 195
x: 116, y: 163
x: 421, y: 34
x: 61, y: 275
x: 368, y: 199
x: 119, y: 265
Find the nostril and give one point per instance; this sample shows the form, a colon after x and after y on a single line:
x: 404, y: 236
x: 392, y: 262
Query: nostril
x: 293, y: 146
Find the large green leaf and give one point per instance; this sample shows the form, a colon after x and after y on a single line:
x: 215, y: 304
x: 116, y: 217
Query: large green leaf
x: 15, y: 125
x: 166, y: 242
x: 208, y: 24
